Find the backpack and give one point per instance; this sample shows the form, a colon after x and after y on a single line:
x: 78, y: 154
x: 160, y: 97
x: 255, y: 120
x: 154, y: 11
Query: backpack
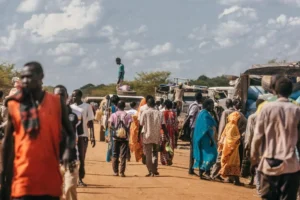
x: 121, y: 131
x: 185, y: 132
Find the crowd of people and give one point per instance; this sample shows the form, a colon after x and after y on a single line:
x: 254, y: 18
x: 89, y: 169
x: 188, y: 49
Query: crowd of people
x: 46, y: 137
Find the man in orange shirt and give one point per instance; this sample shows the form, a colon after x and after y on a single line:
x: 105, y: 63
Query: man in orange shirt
x: 32, y: 139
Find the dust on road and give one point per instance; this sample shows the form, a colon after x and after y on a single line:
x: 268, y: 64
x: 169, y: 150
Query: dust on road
x: 173, y: 183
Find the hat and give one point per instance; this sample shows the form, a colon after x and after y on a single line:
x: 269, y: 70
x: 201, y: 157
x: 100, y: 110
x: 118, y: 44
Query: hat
x: 180, y: 84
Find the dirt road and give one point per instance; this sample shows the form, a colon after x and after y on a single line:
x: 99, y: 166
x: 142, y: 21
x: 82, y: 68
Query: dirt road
x: 174, y: 182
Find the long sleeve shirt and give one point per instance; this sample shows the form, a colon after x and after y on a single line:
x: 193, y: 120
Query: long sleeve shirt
x: 277, y: 135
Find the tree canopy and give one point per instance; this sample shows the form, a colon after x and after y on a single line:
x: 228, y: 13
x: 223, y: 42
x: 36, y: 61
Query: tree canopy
x: 7, y: 72
x: 211, y: 82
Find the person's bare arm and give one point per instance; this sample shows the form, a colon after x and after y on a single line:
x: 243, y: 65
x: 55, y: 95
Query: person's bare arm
x: 222, y: 124
x: 257, y: 140
x: 298, y: 143
x: 7, y: 156
x: 70, y: 134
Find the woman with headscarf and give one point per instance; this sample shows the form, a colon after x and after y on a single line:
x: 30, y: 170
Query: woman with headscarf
x: 168, y: 143
x: 135, y: 145
x: 204, y: 146
x: 229, y: 145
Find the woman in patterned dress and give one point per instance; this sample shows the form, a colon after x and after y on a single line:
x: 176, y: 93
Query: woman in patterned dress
x: 168, y: 143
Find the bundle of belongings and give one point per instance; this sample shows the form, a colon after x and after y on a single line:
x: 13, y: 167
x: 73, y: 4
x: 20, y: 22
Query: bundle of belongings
x: 264, y: 92
x: 124, y: 88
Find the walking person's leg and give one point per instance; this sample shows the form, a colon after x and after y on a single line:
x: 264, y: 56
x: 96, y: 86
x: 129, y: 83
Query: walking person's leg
x: 191, y: 165
x: 216, y: 168
x: 123, y: 154
x: 115, y: 157
x: 82, y: 148
x: 148, y: 154
x: 128, y: 154
x: 269, y: 186
x: 71, y: 178
x: 289, y: 185
x: 155, y: 159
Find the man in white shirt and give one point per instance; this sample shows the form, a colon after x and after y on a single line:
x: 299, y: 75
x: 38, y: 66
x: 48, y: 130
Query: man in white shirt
x: 152, y: 121
x: 85, y: 114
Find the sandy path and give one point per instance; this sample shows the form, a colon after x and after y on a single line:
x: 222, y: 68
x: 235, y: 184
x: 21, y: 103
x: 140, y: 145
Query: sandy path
x: 174, y: 182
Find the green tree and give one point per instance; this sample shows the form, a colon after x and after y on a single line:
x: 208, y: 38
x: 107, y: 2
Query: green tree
x: 145, y: 82
x: 211, y: 82
x: 275, y: 61
x: 7, y: 72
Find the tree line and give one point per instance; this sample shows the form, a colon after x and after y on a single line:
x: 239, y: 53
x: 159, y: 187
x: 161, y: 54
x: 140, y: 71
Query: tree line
x: 144, y: 83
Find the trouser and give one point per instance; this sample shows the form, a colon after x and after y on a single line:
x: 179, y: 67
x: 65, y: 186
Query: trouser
x: 44, y: 197
x: 119, y: 151
x: 1, y: 156
x: 82, y: 147
x: 217, y: 166
x: 69, y: 183
x: 191, y: 165
x: 257, y: 181
x: 128, y: 154
x: 241, y: 152
x: 282, y: 187
x: 151, y: 152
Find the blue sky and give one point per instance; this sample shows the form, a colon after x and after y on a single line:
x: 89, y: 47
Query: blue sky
x: 77, y: 41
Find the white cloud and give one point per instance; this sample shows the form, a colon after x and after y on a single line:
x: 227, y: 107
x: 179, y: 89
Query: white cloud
x: 114, y: 42
x: 199, y: 33
x: 230, y: 2
x: 179, y: 51
x: 224, y: 42
x: 63, y: 60
x: 141, y: 29
x: 234, y: 2
x: 136, y: 62
x: 161, y: 49
x: 107, y: 31
x: 232, y: 28
x: 75, y: 16
x: 282, y: 20
x: 202, y: 44
x: 229, y: 11
x: 131, y: 55
x: 27, y: 6
x: 67, y: 49
x: 260, y: 42
x: 238, y: 12
x: 130, y: 45
x: 228, y: 33
x: 297, y: 2
x: 9, y: 42
x: 174, y: 64
x: 92, y: 65
x: 294, y: 21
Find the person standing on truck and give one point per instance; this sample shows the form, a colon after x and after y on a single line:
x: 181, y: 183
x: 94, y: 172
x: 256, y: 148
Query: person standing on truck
x: 190, y: 122
x: 121, y: 72
x: 178, y: 97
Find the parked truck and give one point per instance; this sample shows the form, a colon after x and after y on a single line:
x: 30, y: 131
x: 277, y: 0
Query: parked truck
x: 253, y: 79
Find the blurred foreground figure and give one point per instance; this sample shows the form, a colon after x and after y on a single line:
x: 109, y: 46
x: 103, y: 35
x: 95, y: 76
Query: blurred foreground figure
x: 277, y: 136
x: 32, y: 140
